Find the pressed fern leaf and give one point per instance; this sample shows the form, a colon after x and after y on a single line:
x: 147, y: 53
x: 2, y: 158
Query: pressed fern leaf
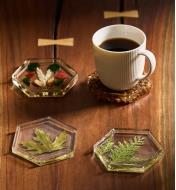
x: 42, y: 143
x: 106, y: 146
x: 125, y: 152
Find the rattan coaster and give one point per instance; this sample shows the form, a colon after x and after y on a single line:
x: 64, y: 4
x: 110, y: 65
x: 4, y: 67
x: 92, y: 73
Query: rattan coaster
x: 122, y: 97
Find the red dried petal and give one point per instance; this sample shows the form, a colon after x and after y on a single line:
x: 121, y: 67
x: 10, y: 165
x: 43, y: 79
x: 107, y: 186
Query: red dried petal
x: 61, y: 75
x: 30, y: 74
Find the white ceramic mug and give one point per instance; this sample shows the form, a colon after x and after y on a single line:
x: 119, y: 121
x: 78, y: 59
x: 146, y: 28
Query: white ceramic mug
x: 122, y: 70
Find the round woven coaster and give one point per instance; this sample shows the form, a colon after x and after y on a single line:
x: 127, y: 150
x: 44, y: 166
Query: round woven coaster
x: 103, y: 93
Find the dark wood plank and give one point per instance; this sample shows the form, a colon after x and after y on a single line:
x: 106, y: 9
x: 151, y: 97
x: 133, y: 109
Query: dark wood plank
x: 157, y: 21
x: 22, y: 23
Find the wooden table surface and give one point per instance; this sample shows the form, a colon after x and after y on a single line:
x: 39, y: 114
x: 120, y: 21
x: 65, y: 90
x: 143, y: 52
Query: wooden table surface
x: 21, y: 24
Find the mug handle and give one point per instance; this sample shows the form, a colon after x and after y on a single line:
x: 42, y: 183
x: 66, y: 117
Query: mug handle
x: 151, y: 60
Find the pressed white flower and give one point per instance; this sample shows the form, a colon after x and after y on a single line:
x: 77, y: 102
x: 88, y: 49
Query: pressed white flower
x: 49, y: 74
x: 50, y: 81
x: 43, y: 79
x: 39, y: 83
x: 41, y: 76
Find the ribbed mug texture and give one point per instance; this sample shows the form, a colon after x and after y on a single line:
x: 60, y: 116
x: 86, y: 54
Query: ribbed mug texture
x: 121, y: 70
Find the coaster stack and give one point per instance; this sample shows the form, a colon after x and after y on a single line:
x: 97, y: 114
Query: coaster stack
x: 105, y: 94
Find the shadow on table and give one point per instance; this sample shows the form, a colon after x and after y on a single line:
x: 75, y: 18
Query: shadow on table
x: 78, y: 98
x: 19, y: 160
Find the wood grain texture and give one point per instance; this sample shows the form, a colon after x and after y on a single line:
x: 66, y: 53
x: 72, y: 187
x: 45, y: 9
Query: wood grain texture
x: 157, y: 21
x: 21, y: 25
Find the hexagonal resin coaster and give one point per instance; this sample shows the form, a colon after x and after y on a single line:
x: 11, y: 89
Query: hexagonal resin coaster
x: 44, y: 141
x: 44, y: 78
x: 126, y: 150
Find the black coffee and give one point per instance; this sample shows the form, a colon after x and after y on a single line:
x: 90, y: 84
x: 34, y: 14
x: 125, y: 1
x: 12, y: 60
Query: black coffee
x: 119, y: 44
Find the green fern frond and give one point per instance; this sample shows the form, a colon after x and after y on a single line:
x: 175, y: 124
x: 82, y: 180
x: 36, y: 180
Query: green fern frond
x: 122, y: 151
x: 106, y: 146
x: 125, y: 152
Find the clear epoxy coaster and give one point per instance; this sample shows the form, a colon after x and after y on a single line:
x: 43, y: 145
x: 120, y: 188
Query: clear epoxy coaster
x: 44, y: 78
x: 44, y: 141
x: 127, y: 150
